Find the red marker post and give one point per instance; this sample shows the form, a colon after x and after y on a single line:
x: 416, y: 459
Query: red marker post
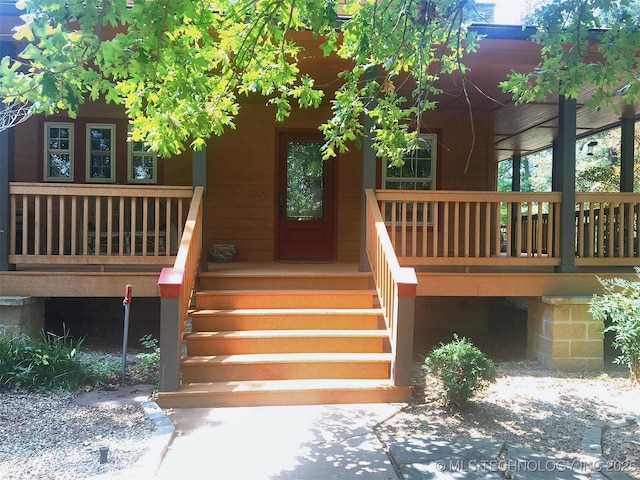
x: 125, y: 335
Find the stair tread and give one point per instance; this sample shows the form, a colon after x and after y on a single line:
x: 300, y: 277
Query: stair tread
x: 290, y: 311
x: 260, y: 358
x: 287, y: 385
x: 233, y: 334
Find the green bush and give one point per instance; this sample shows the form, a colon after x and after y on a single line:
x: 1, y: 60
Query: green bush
x: 462, y: 368
x: 48, y: 363
x: 620, y: 304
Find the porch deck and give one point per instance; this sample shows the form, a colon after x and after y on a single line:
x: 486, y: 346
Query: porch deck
x: 92, y: 281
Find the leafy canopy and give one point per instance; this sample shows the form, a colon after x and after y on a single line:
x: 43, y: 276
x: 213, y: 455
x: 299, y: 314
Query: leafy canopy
x: 180, y: 67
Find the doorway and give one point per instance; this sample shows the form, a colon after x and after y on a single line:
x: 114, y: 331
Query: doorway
x: 305, y: 228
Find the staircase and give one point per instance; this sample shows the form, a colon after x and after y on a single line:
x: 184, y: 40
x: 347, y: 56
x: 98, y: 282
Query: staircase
x: 283, y: 338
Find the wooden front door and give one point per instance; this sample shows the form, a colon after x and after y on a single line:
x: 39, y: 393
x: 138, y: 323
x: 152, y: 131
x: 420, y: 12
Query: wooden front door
x: 306, y: 200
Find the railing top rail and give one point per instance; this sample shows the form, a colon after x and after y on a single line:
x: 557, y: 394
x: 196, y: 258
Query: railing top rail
x: 607, y: 197
x: 183, y: 250
x: 111, y: 190
x: 465, y: 195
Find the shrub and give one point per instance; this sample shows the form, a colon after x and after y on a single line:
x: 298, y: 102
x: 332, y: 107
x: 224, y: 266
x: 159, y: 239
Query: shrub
x: 48, y: 363
x: 462, y: 368
x: 621, y: 305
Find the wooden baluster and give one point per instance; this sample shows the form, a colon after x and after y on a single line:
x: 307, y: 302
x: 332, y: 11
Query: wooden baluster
x: 49, y: 221
x: 61, y: 225
x: 74, y: 225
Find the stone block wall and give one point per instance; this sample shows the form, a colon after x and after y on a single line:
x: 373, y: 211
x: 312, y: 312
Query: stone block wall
x: 21, y: 315
x: 563, y: 335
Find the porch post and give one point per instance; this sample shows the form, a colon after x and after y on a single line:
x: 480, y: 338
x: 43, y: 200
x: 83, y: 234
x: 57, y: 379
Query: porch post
x: 402, y: 363
x: 368, y: 176
x: 199, y: 179
x: 516, y: 163
x: 7, y: 154
x: 170, y: 285
x: 627, y: 127
x: 566, y: 180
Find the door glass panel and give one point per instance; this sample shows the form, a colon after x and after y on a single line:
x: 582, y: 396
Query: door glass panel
x: 305, y: 181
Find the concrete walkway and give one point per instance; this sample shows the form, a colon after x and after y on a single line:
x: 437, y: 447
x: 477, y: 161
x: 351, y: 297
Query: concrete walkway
x: 293, y: 442
x: 338, y: 442
x: 331, y: 442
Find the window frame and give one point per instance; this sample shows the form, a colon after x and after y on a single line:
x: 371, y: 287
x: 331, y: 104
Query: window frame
x: 112, y: 151
x: 432, y: 178
x: 416, y: 180
x: 48, y: 151
x: 131, y: 153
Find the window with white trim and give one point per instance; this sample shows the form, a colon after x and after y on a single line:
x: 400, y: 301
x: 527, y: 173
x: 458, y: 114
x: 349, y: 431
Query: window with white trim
x: 418, y: 172
x: 58, y: 152
x: 142, y: 165
x: 101, y: 152
x: 419, y: 169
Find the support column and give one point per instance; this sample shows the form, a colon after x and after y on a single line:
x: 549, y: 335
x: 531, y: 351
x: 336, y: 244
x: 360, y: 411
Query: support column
x: 627, y: 147
x: 199, y: 179
x: 368, y: 176
x: 566, y: 181
x: 563, y: 335
x: 516, y: 164
x: 7, y: 159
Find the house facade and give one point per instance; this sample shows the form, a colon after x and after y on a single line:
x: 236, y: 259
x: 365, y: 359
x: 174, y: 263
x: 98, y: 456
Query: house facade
x: 84, y: 212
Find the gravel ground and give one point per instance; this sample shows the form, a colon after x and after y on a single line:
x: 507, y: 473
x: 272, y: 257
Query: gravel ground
x: 534, y: 408
x: 47, y: 437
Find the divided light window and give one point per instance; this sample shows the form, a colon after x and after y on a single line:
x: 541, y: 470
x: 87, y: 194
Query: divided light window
x: 417, y: 173
x: 142, y: 165
x: 101, y: 152
x: 58, y: 152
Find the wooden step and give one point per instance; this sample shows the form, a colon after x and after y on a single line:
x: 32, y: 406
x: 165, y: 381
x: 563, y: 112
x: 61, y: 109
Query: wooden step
x: 285, y: 366
x: 286, y: 319
x: 291, y: 281
x: 286, y: 341
x: 284, y: 392
x: 233, y: 299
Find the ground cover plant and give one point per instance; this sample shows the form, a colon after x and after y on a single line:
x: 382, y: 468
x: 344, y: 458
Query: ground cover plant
x: 57, y: 362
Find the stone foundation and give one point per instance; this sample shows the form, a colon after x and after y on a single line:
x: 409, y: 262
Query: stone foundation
x: 21, y: 315
x: 563, y: 335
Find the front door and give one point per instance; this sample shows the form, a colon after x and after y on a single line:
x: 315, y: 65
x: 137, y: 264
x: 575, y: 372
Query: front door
x: 306, y: 203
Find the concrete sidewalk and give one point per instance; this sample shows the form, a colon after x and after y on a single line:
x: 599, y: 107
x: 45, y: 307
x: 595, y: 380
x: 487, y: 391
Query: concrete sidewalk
x: 292, y: 442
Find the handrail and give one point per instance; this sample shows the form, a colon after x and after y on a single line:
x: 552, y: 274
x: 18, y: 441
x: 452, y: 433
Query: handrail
x: 396, y: 287
x: 58, y: 223
x: 472, y: 228
x: 607, y: 229
x: 176, y: 288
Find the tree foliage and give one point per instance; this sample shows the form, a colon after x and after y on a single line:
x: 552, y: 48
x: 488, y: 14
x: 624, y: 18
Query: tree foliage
x: 181, y: 67
x: 585, y: 43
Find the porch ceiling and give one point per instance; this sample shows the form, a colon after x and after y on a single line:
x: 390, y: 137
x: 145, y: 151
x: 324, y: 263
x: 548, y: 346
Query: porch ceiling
x: 518, y: 129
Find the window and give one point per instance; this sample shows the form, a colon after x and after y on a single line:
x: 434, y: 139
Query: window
x: 417, y: 173
x: 58, y: 152
x: 101, y: 152
x: 142, y: 164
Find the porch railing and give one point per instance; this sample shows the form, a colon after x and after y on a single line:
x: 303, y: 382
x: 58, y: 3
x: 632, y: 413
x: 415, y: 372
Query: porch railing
x: 450, y: 228
x: 396, y: 287
x: 95, y: 224
x: 607, y: 228
x: 176, y: 288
